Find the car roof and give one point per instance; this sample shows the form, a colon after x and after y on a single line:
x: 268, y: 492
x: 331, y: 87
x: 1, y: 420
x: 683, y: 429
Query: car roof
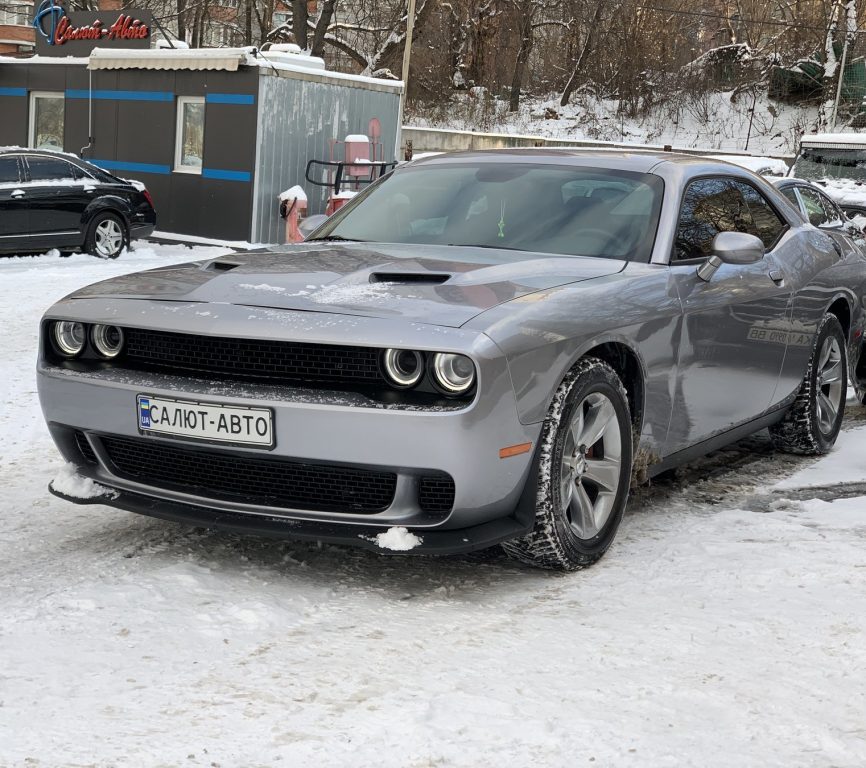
x: 11, y: 150
x: 626, y: 159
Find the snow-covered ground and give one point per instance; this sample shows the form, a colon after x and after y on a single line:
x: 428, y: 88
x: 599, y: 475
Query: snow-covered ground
x: 724, y: 628
x: 720, y: 120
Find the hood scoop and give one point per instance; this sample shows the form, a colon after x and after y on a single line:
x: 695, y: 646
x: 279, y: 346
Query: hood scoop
x: 222, y: 266
x: 412, y: 278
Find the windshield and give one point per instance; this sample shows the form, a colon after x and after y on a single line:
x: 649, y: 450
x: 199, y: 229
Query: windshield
x: 570, y: 211
x: 816, y: 164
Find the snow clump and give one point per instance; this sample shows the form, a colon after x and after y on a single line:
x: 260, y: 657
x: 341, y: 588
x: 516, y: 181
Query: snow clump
x: 71, y: 484
x: 398, y: 539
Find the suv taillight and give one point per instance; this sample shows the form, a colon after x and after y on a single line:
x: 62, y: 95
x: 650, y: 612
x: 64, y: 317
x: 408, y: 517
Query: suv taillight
x: 147, y: 197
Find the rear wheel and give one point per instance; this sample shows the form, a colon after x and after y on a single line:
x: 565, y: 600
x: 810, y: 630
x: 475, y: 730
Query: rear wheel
x: 813, y: 421
x: 107, y: 236
x: 584, y: 470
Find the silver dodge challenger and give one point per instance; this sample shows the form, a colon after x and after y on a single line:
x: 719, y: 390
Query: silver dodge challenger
x: 482, y: 348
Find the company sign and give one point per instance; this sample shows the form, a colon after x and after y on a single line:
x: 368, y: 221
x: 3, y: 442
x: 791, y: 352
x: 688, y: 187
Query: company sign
x: 60, y: 33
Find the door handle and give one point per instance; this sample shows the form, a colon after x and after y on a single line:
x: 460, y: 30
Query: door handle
x: 776, y: 276
x: 17, y: 194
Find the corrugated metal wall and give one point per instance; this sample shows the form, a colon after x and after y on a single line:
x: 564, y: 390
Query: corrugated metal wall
x: 296, y: 120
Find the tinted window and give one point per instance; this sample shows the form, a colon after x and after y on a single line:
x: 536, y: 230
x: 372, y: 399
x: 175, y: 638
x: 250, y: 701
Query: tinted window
x: 9, y: 170
x: 711, y: 206
x: 766, y: 223
x: 52, y: 169
x: 572, y: 211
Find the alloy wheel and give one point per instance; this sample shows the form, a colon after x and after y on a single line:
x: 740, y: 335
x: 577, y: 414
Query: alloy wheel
x: 108, y: 238
x: 829, y: 383
x: 590, y: 465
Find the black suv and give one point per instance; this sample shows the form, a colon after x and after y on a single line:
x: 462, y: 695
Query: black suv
x: 55, y: 200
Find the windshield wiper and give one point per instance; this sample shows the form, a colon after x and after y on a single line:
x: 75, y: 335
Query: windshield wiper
x: 339, y: 238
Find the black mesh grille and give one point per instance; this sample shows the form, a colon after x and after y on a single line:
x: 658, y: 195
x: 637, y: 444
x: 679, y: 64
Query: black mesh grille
x: 253, y: 360
x: 267, y: 482
x: 436, y: 493
x: 85, y: 447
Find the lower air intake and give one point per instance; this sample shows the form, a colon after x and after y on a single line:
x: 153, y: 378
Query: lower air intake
x: 272, y: 482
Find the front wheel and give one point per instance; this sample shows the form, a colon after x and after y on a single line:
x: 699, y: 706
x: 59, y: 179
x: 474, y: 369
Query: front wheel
x: 813, y: 422
x: 584, y: 471
x: 106, y: 236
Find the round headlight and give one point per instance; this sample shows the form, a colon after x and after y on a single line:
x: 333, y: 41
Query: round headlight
x: 107, y: 340
x: 404, y: 367
x: 455, y: 374
x: 69, y: 337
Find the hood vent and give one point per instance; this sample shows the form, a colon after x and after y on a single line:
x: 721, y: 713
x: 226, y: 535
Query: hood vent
x: 222, y: 266
x: 415, y: 278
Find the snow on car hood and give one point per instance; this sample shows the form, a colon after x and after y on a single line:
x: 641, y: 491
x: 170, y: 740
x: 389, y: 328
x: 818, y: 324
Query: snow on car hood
x: 421, y: 283
x: 844, y: 191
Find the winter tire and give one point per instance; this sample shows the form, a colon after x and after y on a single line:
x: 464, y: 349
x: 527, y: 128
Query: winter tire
x: 812, y: 424
x: 583, y: 474
x: 106, y: 236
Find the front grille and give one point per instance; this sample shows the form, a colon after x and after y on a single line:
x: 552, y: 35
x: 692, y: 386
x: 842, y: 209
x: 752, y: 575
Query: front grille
x: 436, y: 493
x: 252, y: 359
x: 85, y: 447
x: 260, y: 481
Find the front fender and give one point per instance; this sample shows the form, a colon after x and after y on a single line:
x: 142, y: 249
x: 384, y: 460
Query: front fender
x: 543, y: 334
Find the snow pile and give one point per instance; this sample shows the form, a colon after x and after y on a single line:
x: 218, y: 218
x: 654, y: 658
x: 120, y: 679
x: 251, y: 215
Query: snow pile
x: 71, y: 484
x: 398, y: 539
x: 844, y: 464
x: 294, y: 193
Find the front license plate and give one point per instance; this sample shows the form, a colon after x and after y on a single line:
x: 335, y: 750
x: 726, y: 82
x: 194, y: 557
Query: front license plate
x: 205, y: 421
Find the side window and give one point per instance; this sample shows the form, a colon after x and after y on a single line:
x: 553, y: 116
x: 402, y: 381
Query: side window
x: 9, y: 170
x: 792, y: 198
x: 814, y: 207
x: 709, y: 206
x: 51, y: 169
x: 766, y: 223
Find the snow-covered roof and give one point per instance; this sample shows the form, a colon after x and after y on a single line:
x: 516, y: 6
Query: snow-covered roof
x: 280, y: 62
x: 226, y: 59
x: 834, y: 140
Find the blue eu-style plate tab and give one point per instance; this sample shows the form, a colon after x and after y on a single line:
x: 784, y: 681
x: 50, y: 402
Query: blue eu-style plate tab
x: 143, y: 412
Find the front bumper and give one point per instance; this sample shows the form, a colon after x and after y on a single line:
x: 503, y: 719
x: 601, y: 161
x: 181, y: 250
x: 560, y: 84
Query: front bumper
x: 493, y: 499
x: 432, y: 542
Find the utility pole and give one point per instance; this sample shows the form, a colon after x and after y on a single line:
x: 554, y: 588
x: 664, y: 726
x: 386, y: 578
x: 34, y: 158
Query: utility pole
x: 407, y: 54
x: 839, y: 82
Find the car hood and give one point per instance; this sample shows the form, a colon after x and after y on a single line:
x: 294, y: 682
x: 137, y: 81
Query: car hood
x: 419, y: 283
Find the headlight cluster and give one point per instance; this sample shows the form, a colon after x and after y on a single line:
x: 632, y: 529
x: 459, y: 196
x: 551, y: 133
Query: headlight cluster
x: 70, y: 338
x: 452, y: 374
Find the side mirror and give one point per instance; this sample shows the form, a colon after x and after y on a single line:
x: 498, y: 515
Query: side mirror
x: 311, y: 224
x: 731, y: 248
